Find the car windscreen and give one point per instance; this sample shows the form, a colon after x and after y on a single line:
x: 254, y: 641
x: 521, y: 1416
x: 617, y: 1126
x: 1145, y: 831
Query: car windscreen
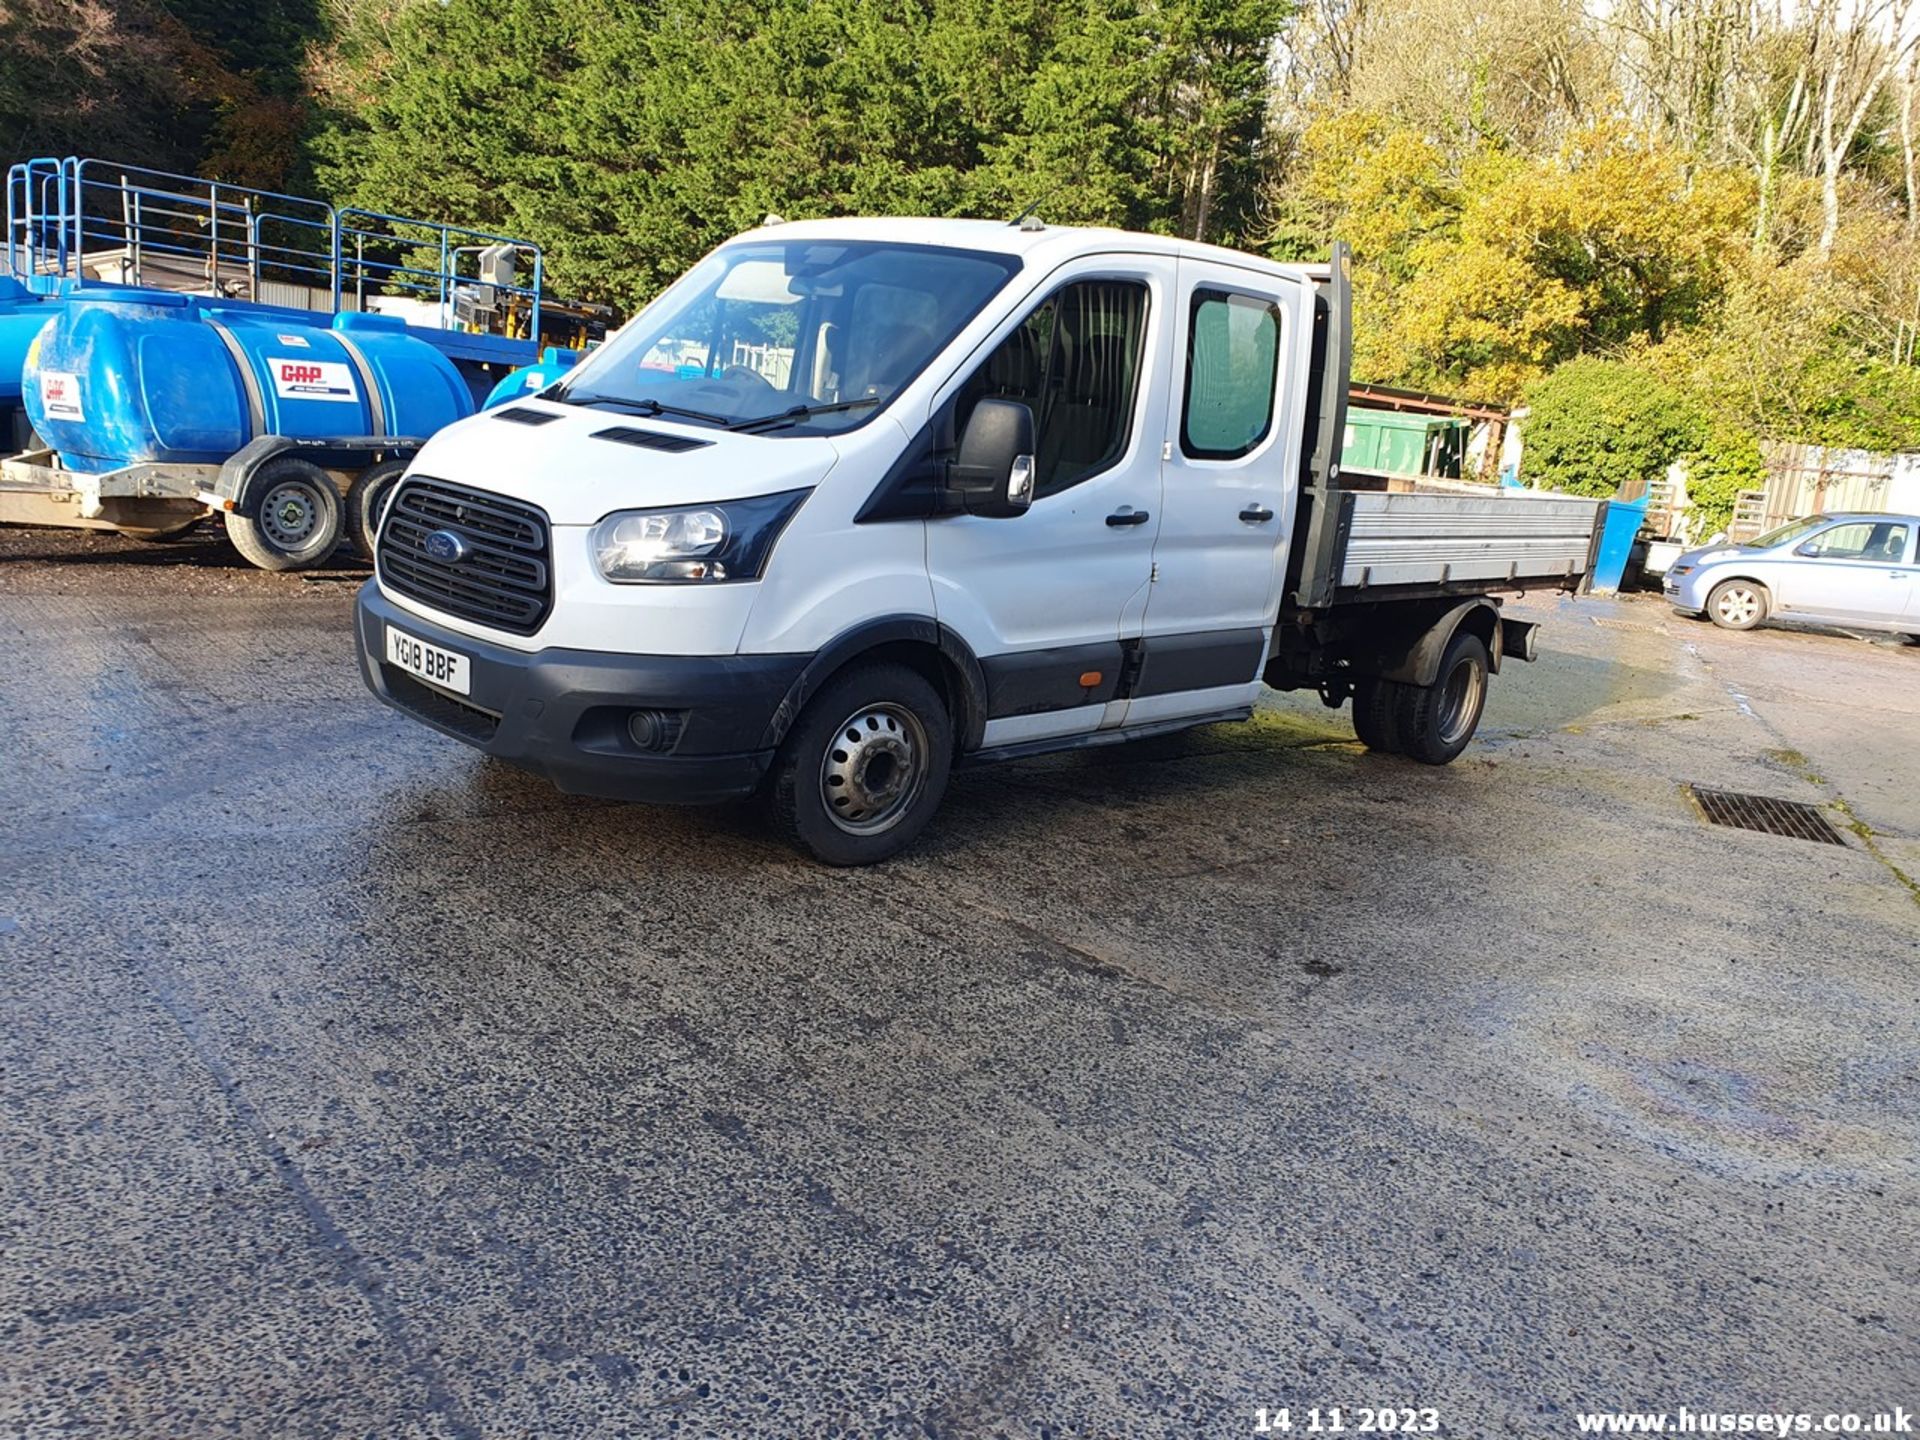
x: 1792, y: 530
x: 806, y: 337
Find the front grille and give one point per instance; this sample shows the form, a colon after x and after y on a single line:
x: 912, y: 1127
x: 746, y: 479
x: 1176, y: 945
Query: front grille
x: 431, y: 704
x: 503, y: 580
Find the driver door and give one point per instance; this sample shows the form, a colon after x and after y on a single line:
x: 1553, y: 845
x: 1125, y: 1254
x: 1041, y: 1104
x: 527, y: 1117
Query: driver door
x: 1047, y: 598
x: 1856, y: 570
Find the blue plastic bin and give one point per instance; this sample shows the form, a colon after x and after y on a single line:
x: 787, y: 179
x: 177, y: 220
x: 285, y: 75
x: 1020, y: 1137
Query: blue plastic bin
x: 1624, y: 518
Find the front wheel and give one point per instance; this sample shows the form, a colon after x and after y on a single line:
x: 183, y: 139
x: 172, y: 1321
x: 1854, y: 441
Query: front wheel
x: 296, y: 522
x: 1436, y: 721
x: 1737, y: 605
x: 864, y: 768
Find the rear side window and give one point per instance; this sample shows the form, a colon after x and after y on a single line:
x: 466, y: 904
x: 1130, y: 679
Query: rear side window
x: 1233, y: 359
x: 1075, y: 362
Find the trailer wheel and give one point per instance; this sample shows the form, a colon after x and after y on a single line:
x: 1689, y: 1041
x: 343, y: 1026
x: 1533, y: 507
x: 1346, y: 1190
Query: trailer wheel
x: 1435, y: 722
x: 367, y: 501
x: 295, y: 522
x: 161, y: 537
x: 1374, y: 718
x: 863, y: 769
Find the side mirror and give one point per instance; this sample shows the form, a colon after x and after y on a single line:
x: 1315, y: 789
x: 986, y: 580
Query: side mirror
x: 992, y: 474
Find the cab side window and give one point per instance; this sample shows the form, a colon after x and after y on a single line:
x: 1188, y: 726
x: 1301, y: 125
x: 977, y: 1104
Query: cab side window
x: 1233, y: 359
x: 1075, y: 362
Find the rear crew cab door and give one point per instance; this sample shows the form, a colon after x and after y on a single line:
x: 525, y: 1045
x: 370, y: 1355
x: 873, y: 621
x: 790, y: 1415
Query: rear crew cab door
x: 1046, y: 598
x: 1230, y: 455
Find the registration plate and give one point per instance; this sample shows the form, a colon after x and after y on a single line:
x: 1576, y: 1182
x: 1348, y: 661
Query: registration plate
x: 445, y: 668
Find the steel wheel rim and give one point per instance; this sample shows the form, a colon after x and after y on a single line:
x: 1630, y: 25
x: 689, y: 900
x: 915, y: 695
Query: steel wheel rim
x: 1739, y: 606
x: 874, y: 768
x: 290, y: 514
x: 1460, y: 700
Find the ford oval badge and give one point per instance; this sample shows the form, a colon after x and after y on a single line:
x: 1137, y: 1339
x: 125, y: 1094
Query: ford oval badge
x: 446, y: 547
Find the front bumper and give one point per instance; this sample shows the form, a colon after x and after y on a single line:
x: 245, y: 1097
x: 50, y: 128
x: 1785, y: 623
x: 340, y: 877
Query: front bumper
x: 1683, y: 592
x: 562, y: 714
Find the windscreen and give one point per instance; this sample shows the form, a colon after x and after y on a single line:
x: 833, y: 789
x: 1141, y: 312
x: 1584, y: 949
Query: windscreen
x: 1792, y: 530
x: 801, y: 337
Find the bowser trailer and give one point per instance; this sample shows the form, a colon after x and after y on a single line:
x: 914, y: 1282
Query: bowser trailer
x: 186, y: 348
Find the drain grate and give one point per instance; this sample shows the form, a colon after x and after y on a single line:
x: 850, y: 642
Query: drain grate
x: 1790, y: 818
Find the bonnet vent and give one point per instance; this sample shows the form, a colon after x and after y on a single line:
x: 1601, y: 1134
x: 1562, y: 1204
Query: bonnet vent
x: 650, y: 439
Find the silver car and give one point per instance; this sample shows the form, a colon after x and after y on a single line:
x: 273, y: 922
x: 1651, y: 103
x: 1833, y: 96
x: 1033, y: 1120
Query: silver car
x: 1858, y: 571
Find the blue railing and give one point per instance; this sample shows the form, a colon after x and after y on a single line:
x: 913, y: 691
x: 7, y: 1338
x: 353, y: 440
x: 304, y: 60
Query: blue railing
x: 79, y: 222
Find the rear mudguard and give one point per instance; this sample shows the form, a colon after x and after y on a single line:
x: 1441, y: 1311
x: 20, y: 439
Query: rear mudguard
x: 346, y: 453
x: 1416, y: 661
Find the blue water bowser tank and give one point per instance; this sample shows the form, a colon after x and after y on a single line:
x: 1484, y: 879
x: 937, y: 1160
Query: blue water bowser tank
x: 22, y: 313
x: 552, y: 364
x: 154, y: 377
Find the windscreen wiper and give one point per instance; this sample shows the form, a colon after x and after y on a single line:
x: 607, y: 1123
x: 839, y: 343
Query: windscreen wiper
x: 648, y: 407
x: 802, y: 412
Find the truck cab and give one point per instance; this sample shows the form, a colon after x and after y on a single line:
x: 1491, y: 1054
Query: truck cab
x: 855, y: 501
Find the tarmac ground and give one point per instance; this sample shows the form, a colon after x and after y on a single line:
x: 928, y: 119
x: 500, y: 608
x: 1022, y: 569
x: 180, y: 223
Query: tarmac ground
x: 354, y: 1085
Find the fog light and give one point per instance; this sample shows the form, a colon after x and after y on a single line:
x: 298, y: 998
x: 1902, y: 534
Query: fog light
x: 656, y: 730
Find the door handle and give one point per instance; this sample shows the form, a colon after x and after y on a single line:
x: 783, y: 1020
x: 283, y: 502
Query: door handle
x: 1127, y: 515
x: 1256, y: 514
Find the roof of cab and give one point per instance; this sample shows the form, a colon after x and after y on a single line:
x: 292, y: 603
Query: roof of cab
x: 1044, y: 242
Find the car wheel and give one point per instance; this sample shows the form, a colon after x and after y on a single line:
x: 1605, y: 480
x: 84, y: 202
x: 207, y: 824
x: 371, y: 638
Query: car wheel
x: 1436, y: 721
x: 864, y: 768
x: 1737, y: 604
x: 1373, y: 716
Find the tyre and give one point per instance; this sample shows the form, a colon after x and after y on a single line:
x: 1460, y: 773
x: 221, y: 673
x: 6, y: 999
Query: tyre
x: 1374, y: 720
x: 367, y: 501
x: 864, y: 768
x: 162, y: 537
x: 1737, y: 604
x: 297, y: 520
x: 1436, y: 721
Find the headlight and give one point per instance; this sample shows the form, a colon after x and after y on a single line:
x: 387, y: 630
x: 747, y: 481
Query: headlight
x: 1676, y: 571
x: 729, y: 540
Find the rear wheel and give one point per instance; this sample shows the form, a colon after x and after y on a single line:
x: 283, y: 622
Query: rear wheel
x: 367, y: 501
x: 1436, y: 721
x: 865, y: 766
x: 296, y: 522
x: 1373, y: 716
x: 1737, y: 604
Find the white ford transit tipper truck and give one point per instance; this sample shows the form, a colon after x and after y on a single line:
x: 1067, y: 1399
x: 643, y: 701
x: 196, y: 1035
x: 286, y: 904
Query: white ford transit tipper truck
x: 856, y: 501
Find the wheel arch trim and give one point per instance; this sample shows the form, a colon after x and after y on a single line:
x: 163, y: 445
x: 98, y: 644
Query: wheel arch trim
x: 958, y: 664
